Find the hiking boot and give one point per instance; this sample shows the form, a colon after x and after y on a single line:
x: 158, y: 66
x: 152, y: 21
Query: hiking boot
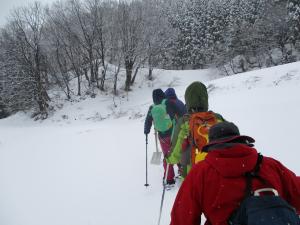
x: 178, y: 177
x: 180, y: 171
x: 171, y: 182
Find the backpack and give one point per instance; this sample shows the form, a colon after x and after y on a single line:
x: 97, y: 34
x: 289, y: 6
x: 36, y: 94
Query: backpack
x: 161, y: 119
x: 257, y: 209
x: 199, y: 124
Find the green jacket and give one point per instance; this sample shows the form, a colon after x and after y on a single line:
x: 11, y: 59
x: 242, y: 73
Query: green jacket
x: 181, y: 134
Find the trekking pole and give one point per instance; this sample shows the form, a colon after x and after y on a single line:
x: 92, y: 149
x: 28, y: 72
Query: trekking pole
x: 146, y: 184
x: 163, y: 194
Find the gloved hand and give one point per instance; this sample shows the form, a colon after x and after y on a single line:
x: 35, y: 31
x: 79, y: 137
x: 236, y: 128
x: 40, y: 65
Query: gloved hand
x: 173, y: 158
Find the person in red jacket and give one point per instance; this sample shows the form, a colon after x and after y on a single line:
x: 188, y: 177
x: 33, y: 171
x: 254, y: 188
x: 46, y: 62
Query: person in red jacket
x: 215, y: 187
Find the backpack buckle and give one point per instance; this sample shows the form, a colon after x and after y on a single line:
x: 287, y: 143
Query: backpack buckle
x: 258, y: 191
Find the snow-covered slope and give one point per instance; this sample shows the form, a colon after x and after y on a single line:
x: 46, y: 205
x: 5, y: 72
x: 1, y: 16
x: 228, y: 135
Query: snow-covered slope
x: 85, y: 165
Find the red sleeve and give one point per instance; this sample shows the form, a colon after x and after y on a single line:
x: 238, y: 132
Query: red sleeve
x: 186, y: 209
x: 291, y: 185
x: 289, y: 182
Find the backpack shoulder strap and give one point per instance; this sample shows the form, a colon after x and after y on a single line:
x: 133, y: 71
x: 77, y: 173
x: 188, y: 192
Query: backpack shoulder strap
x: 219, y: 117
x: 253, y: 174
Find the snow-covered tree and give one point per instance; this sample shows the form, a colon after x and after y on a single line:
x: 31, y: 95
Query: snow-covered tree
x: 130, y: 24
x: 156, y: 34
x: 24, y: 69
x: 201, y: 29
x: 293, y: 9
x: 27, y: 31
x: 3, y: 111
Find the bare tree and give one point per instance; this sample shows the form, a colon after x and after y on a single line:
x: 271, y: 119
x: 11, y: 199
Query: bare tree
x: 99, y: 12
x: 16, y: 84
x: 27, y: 26
x: 130, y: 27
x: 157, y: 32
x: 65, y: 39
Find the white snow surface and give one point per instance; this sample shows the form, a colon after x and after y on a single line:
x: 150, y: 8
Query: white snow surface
x: 85, y: 164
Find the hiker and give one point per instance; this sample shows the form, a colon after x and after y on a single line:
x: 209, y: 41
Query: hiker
x: 171, y: 95
x: 162, y: 114
x: 191, y: 131
x: 217, y: 186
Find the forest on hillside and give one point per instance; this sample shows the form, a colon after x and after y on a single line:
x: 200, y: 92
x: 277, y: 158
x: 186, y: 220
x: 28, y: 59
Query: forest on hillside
x: 90, y: 41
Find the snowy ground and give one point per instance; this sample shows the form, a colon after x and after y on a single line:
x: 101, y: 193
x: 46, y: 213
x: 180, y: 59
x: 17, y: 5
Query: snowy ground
x: 85, y: 165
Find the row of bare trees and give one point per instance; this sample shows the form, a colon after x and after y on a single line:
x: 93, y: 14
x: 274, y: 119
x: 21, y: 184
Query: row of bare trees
x: 87, y: 42
x: 46, y: 46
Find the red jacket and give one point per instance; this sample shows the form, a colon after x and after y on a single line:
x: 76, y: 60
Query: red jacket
x: 216, y: 186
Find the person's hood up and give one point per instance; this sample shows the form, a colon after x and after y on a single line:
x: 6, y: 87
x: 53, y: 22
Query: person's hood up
x: 196, y: 97
x: 233, y: 161
x: 158, y: 95
x: 170, y: 93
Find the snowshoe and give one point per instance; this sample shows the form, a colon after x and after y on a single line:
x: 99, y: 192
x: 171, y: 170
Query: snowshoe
x: 170, y: 184
x: 178, y: 177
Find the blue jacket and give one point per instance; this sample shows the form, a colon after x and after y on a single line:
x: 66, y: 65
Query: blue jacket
x: 171, y: 95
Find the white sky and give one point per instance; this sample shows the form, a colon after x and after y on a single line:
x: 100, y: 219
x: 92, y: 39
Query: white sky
x: 7, y: 5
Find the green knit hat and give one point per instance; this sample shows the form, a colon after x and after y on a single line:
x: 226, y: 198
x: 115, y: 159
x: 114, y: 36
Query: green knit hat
x: 196, y: 96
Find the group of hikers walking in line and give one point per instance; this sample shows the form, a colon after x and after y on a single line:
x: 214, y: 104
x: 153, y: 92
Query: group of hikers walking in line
x: 224, y: 177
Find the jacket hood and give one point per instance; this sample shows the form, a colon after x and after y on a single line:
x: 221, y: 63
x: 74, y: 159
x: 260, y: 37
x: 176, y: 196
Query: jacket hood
x: 196, y: 97
x: 233, y: 161
x: 158, y: 95
x: 170, y: 93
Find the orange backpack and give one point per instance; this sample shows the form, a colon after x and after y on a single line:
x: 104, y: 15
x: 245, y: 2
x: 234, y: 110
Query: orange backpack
x: 200, y: 124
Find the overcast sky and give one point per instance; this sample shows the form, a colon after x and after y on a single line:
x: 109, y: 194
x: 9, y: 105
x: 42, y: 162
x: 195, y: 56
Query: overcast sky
x: 7, y: 5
